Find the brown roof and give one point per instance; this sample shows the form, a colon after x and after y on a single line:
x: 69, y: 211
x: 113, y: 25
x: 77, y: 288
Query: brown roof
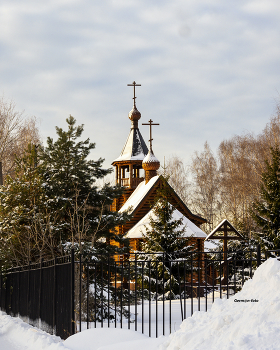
x: 225, y: 226
x: 142, y: 199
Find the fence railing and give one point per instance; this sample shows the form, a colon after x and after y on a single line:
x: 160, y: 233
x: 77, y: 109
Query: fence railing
x: 41, y: 294
x: 150, y: 293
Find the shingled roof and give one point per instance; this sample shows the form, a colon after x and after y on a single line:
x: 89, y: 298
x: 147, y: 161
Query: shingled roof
x: 142, y: 199
x: 135, y: 147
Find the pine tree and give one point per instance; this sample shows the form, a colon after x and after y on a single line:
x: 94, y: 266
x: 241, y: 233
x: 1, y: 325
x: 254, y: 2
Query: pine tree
x: 166, y: 233
x: 85, y: 220
x: 26, y: 224
x: 53, y: 203
x: 266, y: 210
x: 166, y: 236
x: 70, y: 181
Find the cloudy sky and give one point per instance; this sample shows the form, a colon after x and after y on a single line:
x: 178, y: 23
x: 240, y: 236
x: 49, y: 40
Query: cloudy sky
x: 208, y: 69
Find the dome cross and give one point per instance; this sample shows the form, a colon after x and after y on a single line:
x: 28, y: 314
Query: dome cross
x: 150, y: 122
x: 134, y: 97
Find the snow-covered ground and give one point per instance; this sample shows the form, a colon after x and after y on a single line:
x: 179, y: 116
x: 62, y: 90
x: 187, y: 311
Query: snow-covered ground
x: 156, y: 311
x: 249, y: 320
x: 17, y: 335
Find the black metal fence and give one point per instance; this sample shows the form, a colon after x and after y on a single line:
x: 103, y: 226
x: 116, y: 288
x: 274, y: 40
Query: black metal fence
x: 151, y: 293
x: 41, y: 294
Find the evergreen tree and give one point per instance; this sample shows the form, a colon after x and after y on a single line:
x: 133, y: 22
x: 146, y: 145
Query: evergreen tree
x: 266, y: 210
x: 26, y: 222
x: 165, y: 233
x: 70, y: 181
x: 53, y: 203
x: 166, y: 236
x: 85, y: 220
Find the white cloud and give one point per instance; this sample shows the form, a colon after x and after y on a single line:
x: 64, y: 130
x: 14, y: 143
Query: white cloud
x: 208, y: 69
x: 262, y: 7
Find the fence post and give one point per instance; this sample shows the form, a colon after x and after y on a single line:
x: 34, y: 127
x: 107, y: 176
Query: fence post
x: 18, y: 293
x: 6, y: 294
x: 54, y: 296
x: 40, y: 294
x: 72, y: 291
x: 28, y: 291
x: 1, y: 286
x: 1, y: 175
x: 80, y: 291
x: 258, y: 255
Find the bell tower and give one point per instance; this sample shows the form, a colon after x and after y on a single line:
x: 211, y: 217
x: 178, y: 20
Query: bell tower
x: 128, y: 165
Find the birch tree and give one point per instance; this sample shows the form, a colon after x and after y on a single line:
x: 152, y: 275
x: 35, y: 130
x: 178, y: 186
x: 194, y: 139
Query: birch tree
x: 206, y: 199
x: 16, y: 131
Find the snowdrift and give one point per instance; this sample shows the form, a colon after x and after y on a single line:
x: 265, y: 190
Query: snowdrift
x: 248, y: 320
x: 16, y: 334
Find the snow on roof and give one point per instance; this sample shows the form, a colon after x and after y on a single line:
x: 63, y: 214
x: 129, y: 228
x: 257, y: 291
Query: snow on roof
x: 150, y: 158
x: 220, y: 224
x: 138, y: 194
x: 191, y: 229
x: 134, y: 148
x: 210, y: 245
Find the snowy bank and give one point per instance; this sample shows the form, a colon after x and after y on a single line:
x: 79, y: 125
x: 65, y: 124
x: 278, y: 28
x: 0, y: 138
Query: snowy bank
x: 248, y: 320
x: 111, y: 339
x: 16, y: 334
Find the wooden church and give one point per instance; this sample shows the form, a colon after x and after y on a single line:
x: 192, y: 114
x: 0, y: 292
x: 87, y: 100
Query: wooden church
x: 136, y: 170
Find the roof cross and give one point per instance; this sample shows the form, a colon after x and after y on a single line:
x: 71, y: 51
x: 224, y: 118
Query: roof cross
x: 150, y: 123
x: 164, y: 167
x: 134, y: 97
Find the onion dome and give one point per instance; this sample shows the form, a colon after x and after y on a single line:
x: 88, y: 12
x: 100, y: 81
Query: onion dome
x: 150, y: 162
x: 134, y: 115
